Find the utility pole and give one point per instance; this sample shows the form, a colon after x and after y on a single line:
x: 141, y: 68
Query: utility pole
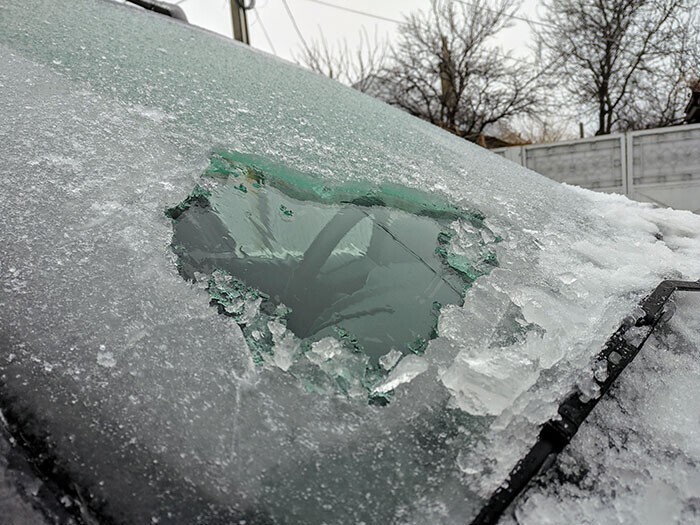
x: 240, y: 20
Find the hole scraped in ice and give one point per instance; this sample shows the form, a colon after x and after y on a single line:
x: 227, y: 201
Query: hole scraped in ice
x: 334, y: 284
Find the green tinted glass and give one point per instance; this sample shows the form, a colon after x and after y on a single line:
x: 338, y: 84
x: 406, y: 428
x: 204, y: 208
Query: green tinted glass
x: 367, y: 265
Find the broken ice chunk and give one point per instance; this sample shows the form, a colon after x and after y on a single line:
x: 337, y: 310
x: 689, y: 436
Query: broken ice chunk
x: 325, y: 350
x: 636, y: 335
x: 408, y: 368
x: 286, y: 345
x: 600, y: 370
x: 251, y: 309
x: 345, y: 367
x: 388, y: 361
x: 488, y: 384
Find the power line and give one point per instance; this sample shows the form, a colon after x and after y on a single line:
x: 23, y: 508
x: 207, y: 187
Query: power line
x: 395, y: 21
x: 356, y: 11
x: 508, y: 15
x: 262, y: 26
x: 294, y: 23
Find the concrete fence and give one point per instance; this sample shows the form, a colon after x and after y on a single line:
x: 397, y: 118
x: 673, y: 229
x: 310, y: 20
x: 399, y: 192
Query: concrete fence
x: 655, y: 165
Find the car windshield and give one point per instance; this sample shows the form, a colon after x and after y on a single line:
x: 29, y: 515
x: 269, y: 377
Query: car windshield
x: 235, y: 290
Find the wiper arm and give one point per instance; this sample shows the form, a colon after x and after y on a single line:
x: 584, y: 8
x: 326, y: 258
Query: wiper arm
x: 619, y: 351
x: 163, y: 8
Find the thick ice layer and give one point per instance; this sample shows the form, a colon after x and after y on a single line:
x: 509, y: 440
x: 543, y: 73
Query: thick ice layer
x: 108, y: 117
x: 635, y: 460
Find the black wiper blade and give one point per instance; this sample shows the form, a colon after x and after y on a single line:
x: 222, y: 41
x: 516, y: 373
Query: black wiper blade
x: 619, y: 351
x: 163, y: 8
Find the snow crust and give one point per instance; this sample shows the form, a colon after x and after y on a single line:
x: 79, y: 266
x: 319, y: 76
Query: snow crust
x: 101, y: 133
x: 635, y: 460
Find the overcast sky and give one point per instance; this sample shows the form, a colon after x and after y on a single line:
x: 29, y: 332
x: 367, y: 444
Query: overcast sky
x: 314, y: 19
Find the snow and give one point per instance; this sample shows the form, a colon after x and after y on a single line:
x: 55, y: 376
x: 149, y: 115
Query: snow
x: 96, y: 145
x: 635, y: 460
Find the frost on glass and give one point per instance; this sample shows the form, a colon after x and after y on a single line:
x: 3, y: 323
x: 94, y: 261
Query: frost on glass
x: 151, y: 402
x: 334, y: 283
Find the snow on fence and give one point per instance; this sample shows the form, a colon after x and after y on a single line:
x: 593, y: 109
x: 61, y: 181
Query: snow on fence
x: 655, y: 165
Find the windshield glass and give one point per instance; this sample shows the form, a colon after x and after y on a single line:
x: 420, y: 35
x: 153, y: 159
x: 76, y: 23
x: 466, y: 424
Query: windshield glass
x: 367, y: 268
x: 155, y: 407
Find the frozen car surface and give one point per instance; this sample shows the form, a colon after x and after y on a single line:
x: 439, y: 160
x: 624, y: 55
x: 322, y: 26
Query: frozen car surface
x: 636, y: 458
x: 152, y: 406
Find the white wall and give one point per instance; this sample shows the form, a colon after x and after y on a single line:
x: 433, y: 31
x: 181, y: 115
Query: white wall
x: 657, y: 165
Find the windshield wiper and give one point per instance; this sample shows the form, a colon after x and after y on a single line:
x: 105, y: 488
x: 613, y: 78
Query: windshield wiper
x: 619, y: 351
x: 163, y: 8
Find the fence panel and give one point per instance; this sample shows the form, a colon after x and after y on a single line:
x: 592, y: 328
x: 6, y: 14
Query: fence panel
x: 596, y: 164
x: 658, y: 165
x: 665, y: 166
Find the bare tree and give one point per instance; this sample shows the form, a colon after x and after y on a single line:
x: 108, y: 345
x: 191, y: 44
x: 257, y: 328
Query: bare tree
x: 534, y: 131
x: 658, y: 96
x: 359, y: 68
x: 446, y: 68
x: 625, y: 58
